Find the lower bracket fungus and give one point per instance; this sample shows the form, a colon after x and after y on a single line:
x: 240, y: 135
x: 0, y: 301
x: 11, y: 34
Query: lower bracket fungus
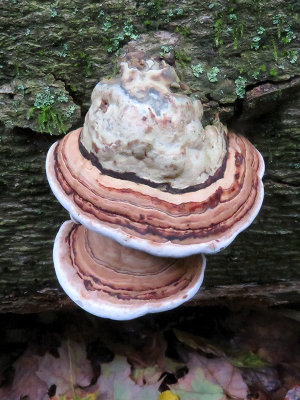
x: 112, y: 281
x: 146, y: 174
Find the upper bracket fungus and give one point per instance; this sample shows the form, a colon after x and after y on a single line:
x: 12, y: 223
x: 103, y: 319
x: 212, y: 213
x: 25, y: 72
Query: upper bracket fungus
x: 146, y: 173
x: 146, y: 185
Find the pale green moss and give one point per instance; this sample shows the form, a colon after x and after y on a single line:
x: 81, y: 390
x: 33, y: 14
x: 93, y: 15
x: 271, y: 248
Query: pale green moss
x: 106, y: 24
x: 212, y: 74
x: 197, y: 70
x: 48, y: 117
x: 53, y: 10
x: 128, y: 33
x: 151, y: 13
x: 182, y: 58
x: 219, y: 32
x: 273, y: 72
x: 292, y: 56
x: 44, y: 99
x: 179, y: 11
x: 275, y: 51
x: 62, y: 98
x: 289, y: 35
x: 64, y: 51
x: 240, y: 87
x: 21, y: 89
x: 165, y: 50
x: 255, y: 44
x: 261, y: 30
x: 70, y: 111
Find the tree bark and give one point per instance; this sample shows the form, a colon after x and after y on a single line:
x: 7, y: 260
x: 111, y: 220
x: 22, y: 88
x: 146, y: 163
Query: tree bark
x: 240, y: 58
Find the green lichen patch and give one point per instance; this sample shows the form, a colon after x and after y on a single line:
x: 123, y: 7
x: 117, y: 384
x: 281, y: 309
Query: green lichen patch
x: 51, y: 111
x: 48, y: 118
x: 127, y: 33
x: 43, y: 106
x: 240, y: 87
x: 150, y: 12
x: 165, y: 50
x: 197, y: 70
x: 212, y: 74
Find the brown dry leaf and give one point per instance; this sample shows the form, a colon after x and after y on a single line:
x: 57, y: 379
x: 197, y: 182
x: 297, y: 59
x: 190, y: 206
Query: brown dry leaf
x: 198, y: 343
x: 213, y: 378
x: 237, y: 357
x: 69, y: 371
x: 26, y: 382
x: 148, y: 352
x: 269, y: 335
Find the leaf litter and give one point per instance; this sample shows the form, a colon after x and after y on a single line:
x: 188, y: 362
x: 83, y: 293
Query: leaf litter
x: 190, y: 354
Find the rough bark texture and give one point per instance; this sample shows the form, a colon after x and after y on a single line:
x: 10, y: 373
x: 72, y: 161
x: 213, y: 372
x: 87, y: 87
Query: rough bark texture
x: 239, y: 57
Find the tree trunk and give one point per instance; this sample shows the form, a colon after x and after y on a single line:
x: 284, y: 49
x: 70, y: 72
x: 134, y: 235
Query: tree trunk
x: 240, y: 58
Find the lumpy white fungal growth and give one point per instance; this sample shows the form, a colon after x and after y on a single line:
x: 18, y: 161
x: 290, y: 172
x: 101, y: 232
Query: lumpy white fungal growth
x: 137, y: 124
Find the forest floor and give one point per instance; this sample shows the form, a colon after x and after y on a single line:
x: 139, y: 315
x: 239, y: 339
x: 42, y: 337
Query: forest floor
x: 209, y: 353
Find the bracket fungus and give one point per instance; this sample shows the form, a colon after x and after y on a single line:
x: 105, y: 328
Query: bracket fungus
x: 117, y: 282
x: 145, y: 173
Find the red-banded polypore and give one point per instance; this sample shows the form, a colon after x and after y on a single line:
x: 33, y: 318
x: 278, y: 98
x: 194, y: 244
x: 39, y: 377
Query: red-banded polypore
x: 145, y: 173
x: 117, y: 282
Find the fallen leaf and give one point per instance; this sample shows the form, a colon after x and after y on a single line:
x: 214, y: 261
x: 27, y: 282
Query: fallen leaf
x: 148, y: 352
x: 69, y: 371
x: 262, y: 379
x: 272, y: 337
x: 198, y: 343
x: 115, y: 383
x: 293, y: 394
x: 212, y: 378
x: 240, y: 359
x: 194, y: 386
x: 25, y: 383
x: 247, y: 360
x: 150, y: 375
x: 146, y: 376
